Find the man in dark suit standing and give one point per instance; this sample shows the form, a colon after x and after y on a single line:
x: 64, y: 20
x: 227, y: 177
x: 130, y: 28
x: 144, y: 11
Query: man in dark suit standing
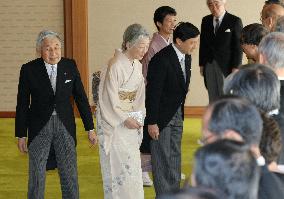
x: 220, y: 50
x: 167, y: 85
x: 44, y: 113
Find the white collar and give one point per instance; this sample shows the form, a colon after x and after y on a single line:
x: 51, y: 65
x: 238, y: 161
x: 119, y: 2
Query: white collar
x: 179, y: 54
x: 220, y: 18
x: 260, y: 161
x: 47, y: 65
x: 273, y: 112
x: 281, y: 78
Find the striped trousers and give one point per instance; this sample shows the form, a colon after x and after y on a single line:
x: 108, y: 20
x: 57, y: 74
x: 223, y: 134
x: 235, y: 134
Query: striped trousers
x: 214, y: 79
x: 54, y: 133
x: 166, y: 156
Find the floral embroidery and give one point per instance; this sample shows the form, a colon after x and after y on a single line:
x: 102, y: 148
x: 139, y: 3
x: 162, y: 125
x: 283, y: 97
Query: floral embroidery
x: 121, y: 179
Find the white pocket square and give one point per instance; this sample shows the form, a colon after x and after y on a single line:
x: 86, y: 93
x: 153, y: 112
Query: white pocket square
x: 228, y: 30
x: 68, y: 80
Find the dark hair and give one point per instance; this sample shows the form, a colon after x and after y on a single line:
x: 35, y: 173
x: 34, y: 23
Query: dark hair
x: 161, y: 13
x: 257, y: 83
x: 228, y: 166
x: 238, y: 114
x: 270, y: 143
x: 253, y: 33
x: 278, y: 2
x: 185, y: 31
x: 195, y: 193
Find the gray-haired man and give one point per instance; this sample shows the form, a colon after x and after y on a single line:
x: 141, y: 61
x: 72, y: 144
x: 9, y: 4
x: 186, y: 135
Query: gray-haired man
x: 220, y: 51
x: 271, y: 53
x: 44, y: 109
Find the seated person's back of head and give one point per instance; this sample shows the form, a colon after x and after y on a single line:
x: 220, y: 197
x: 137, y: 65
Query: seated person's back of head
x: 195, y: 193
x: 228, y: 166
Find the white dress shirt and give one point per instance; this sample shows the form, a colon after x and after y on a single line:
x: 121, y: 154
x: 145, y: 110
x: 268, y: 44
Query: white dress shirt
x: 220, y: 19
x: 181, y: 58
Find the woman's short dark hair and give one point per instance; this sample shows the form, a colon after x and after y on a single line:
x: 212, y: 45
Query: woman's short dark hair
x: 161, y: 13
x: 270, y: 143
x: 253, y: 33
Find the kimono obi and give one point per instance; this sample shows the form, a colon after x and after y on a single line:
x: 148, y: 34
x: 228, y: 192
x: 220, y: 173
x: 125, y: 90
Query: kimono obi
x: 126, y: 98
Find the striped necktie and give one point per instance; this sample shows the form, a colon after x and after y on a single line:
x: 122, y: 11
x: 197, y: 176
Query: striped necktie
x: 182, y: 64
x: 52, y: 78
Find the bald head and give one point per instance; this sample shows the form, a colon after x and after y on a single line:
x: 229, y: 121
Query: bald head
x: 270, y: 14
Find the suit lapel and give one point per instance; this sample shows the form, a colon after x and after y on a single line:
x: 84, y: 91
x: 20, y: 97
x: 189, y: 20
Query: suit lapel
x: 223, y: 26
x: 177, y: 67
x: 210, y: 24
x: 187, y: 69
x: 43, y: 77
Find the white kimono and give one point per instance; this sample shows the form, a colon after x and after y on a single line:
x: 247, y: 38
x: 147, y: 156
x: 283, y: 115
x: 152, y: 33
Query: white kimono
x: 121, y: 94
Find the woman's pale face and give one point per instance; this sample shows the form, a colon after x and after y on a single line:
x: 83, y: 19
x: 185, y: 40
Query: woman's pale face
x: 139, y: 49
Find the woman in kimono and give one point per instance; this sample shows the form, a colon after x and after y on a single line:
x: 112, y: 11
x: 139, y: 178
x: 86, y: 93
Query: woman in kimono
x: 120, y: 116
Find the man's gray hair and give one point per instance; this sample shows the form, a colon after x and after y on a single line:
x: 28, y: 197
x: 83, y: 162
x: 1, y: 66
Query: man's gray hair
x: 279, y: 27
x: 272, y: 48
x: 45, y: 34
x: 208, y: 1
x: 132, y: 34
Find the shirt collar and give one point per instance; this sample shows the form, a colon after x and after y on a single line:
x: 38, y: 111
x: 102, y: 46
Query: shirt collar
x: 47, y: 65
x: 273, y: 112
x: 281, y: 78
x: 179, y: 54
x: 260, y: 161
x: 220, y: 18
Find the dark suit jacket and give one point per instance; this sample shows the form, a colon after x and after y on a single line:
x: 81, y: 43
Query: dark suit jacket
x: 36, y: 100
x: 224, y: 47
x: 166, y: 88
x: 280, y: 120
x: 270, y: 186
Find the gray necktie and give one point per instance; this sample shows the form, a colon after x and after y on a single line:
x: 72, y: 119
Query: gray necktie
x: 52, y: 78
x: 217, y: 25
x: 182, y: 64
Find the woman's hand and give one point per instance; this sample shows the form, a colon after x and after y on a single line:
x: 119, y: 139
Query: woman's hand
x: 131, y: 123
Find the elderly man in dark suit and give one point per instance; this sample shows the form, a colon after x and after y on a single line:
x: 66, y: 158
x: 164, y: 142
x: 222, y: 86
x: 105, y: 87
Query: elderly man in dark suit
x: 167, y: 85
x: 220, y: 51
x: 44, y: 113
